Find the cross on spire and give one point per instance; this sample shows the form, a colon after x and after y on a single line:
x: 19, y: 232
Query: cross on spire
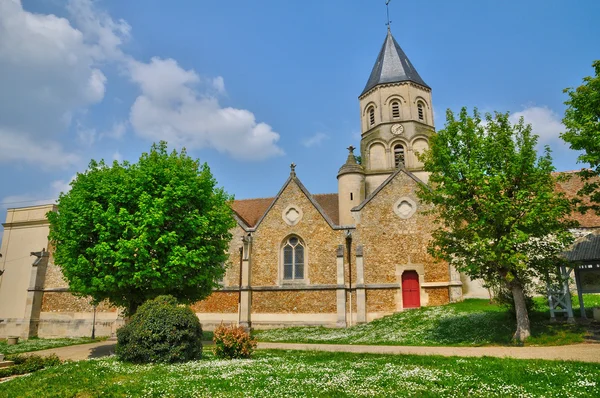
x: 387, y: 10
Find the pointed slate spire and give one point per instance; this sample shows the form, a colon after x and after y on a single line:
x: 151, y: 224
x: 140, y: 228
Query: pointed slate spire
x: 392, y: 66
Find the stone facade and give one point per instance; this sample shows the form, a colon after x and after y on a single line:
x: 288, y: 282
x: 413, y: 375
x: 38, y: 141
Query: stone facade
x: 383, y: 244
x: 296, y: 258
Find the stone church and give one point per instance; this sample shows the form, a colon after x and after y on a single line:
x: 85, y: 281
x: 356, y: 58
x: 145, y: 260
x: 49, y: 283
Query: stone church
x: 296, y: 258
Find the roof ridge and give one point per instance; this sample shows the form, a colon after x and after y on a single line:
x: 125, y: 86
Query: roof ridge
x: 264, y: 198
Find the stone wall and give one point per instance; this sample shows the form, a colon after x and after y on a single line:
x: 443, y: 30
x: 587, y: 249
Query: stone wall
x: 395, y: 230
x: 381, y: 301
x: 294, y: 302
x: 218, y: 302
x: 438, y: 295
x: 232, y: 265
x: 321, y: 241
x: 68, y: 302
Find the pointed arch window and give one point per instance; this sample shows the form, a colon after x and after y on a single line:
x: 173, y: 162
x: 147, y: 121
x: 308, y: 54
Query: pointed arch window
x: 371, y: 116
x: 399, y: 156
x: 421, y: 111
x: 395, y: 109
x: 293, y: 253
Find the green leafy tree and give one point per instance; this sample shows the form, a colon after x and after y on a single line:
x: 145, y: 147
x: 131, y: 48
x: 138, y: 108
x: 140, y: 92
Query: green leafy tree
x: 582, y: 120
x: 127, y: 233
x: 499, y: 216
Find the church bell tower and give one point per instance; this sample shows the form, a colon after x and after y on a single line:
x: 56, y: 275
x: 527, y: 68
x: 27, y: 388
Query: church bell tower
x: 396, y: 123
x: 396, y: 117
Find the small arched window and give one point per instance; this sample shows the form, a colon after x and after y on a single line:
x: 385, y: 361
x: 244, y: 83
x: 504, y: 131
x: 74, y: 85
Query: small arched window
x: 293, y: 259
x: 395, y: 110
x: 371, y: 116
x: 421, y: 111
x: 399, y: 156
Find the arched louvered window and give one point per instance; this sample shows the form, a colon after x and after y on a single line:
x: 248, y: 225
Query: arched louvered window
x: 395, y: 110
x: 371, y: 116
x: 421, y: 111
x: 399, y: 155
x: 293, y: 259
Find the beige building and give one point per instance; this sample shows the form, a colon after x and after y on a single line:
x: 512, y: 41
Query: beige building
x: 295, y: 258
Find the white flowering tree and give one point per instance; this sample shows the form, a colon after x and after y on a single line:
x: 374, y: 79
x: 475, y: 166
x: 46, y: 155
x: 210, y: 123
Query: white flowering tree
x: 500, y: 218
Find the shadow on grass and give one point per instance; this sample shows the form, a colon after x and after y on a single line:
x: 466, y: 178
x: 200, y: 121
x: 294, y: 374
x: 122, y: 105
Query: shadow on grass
x: 474, y: 329
x: 102, y: 351
x: 497, y: 328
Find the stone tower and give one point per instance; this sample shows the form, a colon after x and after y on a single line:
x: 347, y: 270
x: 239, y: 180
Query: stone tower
x: 351, y: 187
x: 396, y: 117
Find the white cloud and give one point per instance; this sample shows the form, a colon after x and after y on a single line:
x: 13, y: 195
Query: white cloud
x: 47, y: 71
x: 544, y: 122
x: 86, y: 136
x: 100, y: 31
x: 171, y: 107
x: 50, y: 70
x: 89, y: 136
x: 117, y: 131
x: 19, y: 147
x: 315, y: 140
x: 219, y: 84
x: 61, y: 186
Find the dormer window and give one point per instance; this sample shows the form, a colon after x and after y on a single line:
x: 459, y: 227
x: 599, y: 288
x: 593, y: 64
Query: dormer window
x: 399, y: 156
x: 395, y: 110
x: 421, y: 111
x: 371, y: 116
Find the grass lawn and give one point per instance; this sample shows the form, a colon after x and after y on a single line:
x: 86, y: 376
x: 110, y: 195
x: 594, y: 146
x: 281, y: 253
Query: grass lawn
x: 473, y: 322
x: 318, y: 374
x: 42, y: 344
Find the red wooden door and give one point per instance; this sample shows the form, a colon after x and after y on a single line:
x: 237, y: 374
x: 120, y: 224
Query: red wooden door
x: 411, y: 294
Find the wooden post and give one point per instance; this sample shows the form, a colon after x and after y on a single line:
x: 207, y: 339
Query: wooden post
x: 580, y: 294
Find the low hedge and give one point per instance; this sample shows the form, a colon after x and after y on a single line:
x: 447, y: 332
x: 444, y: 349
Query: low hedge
x: 160, y: 331
x: 26, y: 363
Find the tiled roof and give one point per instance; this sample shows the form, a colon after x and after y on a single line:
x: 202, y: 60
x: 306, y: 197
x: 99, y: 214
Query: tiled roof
x: 251, y: 210
x: 586, y: 248
x: 330, y: 205
x: 570, y: 187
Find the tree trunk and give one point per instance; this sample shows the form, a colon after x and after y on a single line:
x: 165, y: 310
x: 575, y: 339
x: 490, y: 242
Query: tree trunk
x: 523, y: 328
x: 131, y: 309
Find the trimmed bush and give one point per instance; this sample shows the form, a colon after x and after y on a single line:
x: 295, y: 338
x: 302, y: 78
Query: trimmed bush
x: 233, y: 342
x: 160, y: 331
x: 28, y: 363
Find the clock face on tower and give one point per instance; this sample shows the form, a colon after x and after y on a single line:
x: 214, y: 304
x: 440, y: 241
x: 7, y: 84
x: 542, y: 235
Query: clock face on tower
x: 397, y: 129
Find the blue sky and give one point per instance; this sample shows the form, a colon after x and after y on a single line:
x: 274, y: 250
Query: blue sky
x: 251, y: 86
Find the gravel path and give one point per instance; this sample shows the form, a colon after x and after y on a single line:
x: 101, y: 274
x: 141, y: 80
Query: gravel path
x: 575, y: 352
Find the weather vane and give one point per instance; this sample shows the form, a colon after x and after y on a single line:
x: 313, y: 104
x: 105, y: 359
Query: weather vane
x: 387, y: 9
